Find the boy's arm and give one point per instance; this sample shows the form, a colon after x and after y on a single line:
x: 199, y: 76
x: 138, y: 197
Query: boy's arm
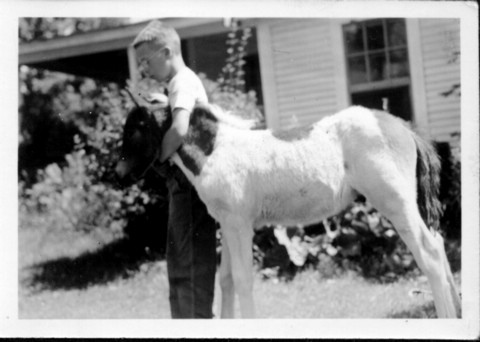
x: 173, y: 138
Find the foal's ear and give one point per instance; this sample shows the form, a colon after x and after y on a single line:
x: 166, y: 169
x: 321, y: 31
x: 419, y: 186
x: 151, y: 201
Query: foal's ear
x: 137, y: 100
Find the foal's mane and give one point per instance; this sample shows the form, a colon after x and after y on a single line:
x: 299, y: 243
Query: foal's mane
x: 230, y: 119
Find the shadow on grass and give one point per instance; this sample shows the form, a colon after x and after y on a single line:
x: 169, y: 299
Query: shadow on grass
x: 119, y: 259
x: 422, y: 311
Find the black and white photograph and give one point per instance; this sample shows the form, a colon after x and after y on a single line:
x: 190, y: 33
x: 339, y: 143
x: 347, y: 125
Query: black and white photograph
x: 291, y: 169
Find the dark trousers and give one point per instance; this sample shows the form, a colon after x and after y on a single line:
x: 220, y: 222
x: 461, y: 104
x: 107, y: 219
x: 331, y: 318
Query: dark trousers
x: 191, y: 250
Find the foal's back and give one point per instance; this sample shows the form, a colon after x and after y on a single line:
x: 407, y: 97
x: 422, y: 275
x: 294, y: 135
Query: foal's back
x: 278, y: 177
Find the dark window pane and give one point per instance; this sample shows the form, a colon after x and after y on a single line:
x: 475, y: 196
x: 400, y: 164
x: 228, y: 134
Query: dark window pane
x: 398, y: 63
x: 354, y: 38
x: 375, y: 36
x: 396, y: 32
x: 378, y: 66
x: 357, y: 70
x: 398, y: 100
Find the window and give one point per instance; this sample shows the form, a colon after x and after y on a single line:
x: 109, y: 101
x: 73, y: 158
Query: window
x: 377, y: 64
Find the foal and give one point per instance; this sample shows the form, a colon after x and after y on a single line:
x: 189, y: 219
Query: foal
x: 251, y: 178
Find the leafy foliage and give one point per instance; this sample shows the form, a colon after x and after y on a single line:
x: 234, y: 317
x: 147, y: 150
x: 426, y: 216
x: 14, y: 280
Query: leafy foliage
x: 80, y: 193
x: 55, y: 108
x: 228, y: 91
x: 357, y: 239
x: 455, y: 88
x: 450, y: 189
x: 69, y: 198
x: 231, y: 79
x: 46, y: 28
x: 237, y: 102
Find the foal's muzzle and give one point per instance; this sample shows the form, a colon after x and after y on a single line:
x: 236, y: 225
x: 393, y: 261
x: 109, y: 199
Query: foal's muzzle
x: 124, y: 173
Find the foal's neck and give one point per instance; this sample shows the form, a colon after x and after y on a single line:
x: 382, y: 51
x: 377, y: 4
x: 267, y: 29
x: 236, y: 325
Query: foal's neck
x: 200, y: 140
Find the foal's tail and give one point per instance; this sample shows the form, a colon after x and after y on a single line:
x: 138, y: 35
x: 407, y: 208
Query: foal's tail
x: 428, y: 182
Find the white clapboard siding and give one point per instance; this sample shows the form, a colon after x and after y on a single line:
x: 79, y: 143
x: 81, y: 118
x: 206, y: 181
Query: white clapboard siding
x: 304, y: 70
x: 440, y: 39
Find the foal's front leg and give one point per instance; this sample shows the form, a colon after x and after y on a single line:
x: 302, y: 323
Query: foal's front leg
x: 238, y: 235
x: 226, y: 283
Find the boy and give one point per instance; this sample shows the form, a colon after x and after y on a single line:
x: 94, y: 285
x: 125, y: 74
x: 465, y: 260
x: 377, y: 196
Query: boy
x: 191, y: 239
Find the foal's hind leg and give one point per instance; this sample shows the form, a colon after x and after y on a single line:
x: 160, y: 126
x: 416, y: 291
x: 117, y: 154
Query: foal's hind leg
x: 430, y: 256
x: 451, y: 280
x: 394, y: 196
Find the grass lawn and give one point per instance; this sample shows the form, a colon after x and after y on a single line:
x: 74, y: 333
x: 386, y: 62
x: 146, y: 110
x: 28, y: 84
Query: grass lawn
x: 66, y: 275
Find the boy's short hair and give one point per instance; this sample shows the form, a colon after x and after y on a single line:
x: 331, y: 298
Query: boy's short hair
x: 159, y: 35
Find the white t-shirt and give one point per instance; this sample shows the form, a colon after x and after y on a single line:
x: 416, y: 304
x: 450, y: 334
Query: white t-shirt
x: 185, y: 90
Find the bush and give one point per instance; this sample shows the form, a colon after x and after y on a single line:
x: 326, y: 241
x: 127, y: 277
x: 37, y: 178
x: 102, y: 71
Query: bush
x: 72, y: 198
x: 69, y: 198
x: 242, y: 104
x: 357, y: 239
x: 79, y: 190
x: 450, y: 190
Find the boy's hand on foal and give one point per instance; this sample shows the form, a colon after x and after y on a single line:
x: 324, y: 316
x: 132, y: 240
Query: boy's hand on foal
x: 158, y: 100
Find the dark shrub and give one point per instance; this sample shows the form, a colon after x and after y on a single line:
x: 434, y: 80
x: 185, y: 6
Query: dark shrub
x: 450, y: 190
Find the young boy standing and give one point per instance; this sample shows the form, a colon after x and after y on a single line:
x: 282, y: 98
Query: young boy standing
x: 191, y: 239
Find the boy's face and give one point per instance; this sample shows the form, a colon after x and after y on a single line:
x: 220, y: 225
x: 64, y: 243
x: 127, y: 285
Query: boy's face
x: 153, y: 62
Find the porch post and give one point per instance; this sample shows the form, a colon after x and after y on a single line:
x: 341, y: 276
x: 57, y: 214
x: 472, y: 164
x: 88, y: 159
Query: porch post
x: 267, y: 72
x: 417, y: 78
x: 132, y: 66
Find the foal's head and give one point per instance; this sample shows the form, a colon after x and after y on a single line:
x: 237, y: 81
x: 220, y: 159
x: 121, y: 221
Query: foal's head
x: 143, y: 132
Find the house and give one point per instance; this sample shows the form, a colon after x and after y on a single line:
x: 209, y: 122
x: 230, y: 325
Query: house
x: 301, y: 68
